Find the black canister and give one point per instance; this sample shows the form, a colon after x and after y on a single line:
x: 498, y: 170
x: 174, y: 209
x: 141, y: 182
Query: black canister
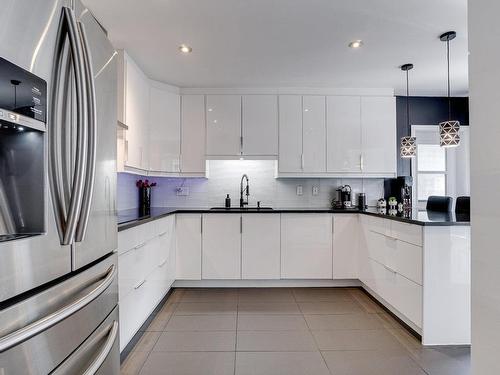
x: 362, y: 201
x: 228, y: 201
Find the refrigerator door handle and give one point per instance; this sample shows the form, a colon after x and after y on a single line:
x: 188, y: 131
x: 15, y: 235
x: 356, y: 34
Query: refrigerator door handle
x: 92, y: 139
x: 15, y: 338
x: 67, y: 206
x: 111, y: 332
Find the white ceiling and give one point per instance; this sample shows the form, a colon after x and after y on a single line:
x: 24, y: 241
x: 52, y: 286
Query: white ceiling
x: 292, y: 43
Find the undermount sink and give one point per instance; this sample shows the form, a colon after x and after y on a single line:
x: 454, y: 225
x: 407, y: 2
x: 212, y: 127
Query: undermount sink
x: 242, y: 209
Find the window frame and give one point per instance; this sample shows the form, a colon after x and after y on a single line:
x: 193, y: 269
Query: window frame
x: 414, y: 162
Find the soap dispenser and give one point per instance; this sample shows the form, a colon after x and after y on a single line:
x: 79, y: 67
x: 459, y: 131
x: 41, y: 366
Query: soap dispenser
x: 228, y: 201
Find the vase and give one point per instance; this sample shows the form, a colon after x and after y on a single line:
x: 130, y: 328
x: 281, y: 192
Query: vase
x: 144, y: 201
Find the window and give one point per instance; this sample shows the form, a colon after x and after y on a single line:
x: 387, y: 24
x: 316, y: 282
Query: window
x: 431, y: 171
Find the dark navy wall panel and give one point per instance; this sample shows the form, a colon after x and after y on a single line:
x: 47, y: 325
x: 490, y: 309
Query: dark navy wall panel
x: 426, y: 110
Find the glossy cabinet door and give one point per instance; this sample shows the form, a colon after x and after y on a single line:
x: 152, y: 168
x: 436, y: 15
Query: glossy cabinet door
x: 164, y: 129
x: 345, y: 246
x: 314, y: 134
x: 306, y: 246
x: 378, y: 136
x: 188, y: 245
x: 290, y: 134
x: 193, y: 134
x: 260, y: 246
x: 223, y: 125
x: 343, y: 134
x: 136, y: 114
x: 221, y: 254
x: 260, y: 125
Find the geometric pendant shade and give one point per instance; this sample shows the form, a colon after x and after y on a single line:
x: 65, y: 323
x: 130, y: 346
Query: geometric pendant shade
x: 408, y: 144
x: 408, y: 147
x: 449, y: 133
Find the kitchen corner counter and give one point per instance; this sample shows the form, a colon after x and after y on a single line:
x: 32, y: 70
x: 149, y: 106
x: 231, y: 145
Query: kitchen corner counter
x: 131, y: 218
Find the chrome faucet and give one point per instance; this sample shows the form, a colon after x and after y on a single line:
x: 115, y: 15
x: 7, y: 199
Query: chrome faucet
x: 246, y: 190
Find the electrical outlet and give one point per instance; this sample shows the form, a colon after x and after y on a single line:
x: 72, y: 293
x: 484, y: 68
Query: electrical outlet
x: 182, y: 190
x: 315, y: 190
x: 299, y: 190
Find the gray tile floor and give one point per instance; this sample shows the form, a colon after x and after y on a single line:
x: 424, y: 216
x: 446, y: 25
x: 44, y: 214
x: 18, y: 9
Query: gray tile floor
x: 287, y: 331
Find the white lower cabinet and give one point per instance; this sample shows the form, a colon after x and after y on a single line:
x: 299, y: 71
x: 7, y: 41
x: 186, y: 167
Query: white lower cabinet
x: 345, y: 246
x: 188, y: 246
x: 260, y: 246
x: 392, y: 267
x: 306, y: 246
x: 221, y: 249
x: 146, y: 272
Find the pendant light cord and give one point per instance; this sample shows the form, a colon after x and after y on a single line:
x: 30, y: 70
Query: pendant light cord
x: 449, y: 90
x: 408, y: 103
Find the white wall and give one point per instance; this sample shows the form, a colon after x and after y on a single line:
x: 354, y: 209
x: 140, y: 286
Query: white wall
x: 224, y: 178
x: 484, y: 76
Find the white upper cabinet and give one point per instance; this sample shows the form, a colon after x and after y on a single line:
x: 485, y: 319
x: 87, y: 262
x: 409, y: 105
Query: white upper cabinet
x: 343, y: 134
x: 133, y: 111
x: 193, y: 134
x: 223, y: 125
x: 290, y: 134
x: 164, y: 129
x: 260, y: 125
x: 378, y: 136
x: 314, y: 134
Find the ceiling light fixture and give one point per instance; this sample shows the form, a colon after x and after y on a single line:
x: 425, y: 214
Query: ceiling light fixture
x: 356, y: 43
x: 449, y: 131
x: 185, y: 48
x: 408, y: 143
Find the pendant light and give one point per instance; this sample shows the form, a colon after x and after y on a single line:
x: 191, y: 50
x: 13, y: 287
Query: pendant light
x: 449, y: 131
x: 408, y: 143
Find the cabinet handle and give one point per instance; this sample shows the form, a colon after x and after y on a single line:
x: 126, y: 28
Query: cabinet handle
x: 162, y: 234
x: 333, y: 226
x: 241, y: 224
x: 201, y: 224
x: 162, y: 263
x: 361, y: 161
x: 389, y: 269
x: 302, y: 161
x: 241, y: 143
x: 140, y: 284
x: 139, y: 246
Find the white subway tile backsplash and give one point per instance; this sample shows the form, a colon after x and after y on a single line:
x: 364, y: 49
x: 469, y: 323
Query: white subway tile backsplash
x: 224, y: 178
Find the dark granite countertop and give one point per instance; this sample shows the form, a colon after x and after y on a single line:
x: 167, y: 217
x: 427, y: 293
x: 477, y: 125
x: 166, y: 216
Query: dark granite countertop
x: 131, y: 218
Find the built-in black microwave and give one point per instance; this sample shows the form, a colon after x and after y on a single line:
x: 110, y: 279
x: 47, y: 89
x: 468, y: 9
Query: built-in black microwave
x: 23, y: 96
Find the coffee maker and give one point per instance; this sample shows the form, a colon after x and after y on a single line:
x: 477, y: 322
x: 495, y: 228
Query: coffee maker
x: 401, y: 189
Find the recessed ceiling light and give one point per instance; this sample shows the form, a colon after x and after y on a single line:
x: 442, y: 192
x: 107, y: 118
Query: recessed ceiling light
x: 185, y: 48
x: 356, y: 43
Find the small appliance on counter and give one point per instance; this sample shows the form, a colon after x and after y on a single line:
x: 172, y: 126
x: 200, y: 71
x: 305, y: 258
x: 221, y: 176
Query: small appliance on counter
x: 362, y: 202
x: 342, y: 197
x: 346, y: 196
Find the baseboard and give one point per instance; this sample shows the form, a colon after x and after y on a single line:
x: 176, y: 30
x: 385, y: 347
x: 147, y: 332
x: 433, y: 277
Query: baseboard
x: 265, y: 283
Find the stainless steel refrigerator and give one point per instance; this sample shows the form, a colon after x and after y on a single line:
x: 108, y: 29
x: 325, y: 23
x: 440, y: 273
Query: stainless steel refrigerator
x: 58, y: 231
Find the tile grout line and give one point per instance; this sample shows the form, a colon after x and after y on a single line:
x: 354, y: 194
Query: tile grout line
x: 315, y: 341
x: 236, y: 331
x: 156, y: 341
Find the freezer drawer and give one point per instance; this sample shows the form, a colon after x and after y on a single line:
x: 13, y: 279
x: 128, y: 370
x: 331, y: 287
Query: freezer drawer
x: 37, y: 334
x: 99, y: 354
